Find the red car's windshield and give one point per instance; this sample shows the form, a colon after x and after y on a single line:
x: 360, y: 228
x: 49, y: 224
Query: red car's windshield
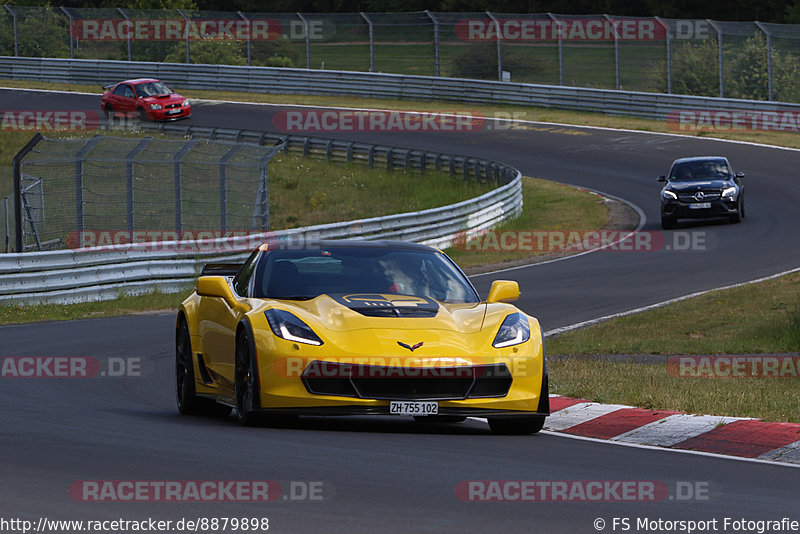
x: 152, y: 89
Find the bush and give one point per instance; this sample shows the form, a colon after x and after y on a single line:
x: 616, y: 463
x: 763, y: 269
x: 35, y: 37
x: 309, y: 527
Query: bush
x: 480, y: 61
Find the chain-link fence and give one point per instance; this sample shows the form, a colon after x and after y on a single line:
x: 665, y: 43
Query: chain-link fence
x: 748, y: 60
x: 109, y: 190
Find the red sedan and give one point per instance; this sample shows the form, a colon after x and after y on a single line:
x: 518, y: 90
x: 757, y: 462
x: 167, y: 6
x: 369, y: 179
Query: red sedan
x: 146, y: 99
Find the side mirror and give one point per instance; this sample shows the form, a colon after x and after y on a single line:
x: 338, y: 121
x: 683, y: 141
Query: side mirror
x: 215, y: 286
x: 503, y: 291
x: 661, y: 178
x: 739, y: 175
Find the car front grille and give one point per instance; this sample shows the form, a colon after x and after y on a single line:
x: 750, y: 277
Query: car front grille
x: 407, y: 383
x: 708, y: 195
x: 168, y: 106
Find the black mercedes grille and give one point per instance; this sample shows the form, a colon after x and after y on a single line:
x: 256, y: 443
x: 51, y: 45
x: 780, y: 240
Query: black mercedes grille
x: 707, y: 196
x: 407, y: 383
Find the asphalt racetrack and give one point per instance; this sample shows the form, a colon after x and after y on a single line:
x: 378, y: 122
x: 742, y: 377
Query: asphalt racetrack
x: 390, y: 474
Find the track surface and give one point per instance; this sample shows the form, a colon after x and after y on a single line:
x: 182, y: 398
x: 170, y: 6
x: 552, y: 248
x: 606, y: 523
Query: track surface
x: 389, y: 474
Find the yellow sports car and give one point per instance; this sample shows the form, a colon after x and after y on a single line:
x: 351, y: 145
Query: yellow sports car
x: 358, y: 327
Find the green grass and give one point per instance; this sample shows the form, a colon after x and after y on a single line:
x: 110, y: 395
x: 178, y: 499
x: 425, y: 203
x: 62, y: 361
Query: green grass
x: 547, y: 206
x: 761, y: 318
x: 649, y: 385
x: 122, y: 305
x: 755, y: 318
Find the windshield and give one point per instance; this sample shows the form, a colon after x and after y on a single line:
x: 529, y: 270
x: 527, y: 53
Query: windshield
x: 305, y: 274
x: 152, y: 89
x: 716, y: 169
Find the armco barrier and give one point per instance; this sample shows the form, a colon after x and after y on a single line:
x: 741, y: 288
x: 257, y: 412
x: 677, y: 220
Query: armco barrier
x: 79, y: 275
x: 372, y: 85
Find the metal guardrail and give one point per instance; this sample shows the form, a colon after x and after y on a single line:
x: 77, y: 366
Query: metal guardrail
x: 96, y: 274
x: 374, y: 85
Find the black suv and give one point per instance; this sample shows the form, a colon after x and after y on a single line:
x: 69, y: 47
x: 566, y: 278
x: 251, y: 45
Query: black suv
x: 701, y: 187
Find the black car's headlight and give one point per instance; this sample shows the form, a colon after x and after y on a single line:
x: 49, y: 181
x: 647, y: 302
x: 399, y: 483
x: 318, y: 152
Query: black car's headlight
x: 729, y: 192
x: 286, y: 326
x: 514, y: 330
x: 668, y: 195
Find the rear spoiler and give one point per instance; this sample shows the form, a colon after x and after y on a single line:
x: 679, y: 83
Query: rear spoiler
x: 221, y: 269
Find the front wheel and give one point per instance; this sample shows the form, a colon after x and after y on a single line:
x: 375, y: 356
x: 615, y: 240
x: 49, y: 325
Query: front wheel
x: 245, y: 385
x: 517, y: 424
x: 189, y: 403
x: 439, y: 418
x: 141, y: 114
x: 668, y: 223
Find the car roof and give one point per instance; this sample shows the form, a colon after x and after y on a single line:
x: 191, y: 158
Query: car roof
x: 139, y: 80
x: 700, y: 158
x: 322, y: 244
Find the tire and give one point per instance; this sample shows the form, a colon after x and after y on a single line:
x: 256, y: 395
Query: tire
x: 245, y: 385
x: 516, y: 425
x: 141, y: 115
x: 439, y: 419
x: 668, y: 223
x: 525, y: 424
x: 187, y: 400
x: 737, y: 217
x: 110, y: 115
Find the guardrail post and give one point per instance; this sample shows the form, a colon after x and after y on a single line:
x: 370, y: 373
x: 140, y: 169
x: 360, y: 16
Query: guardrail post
x: 560, y: 50
x: 669, y: 53
x: 186, y: 31
x: 308, y: 39
x: 130, y: 30
x: 262, y: 204
x: 499, y: 49
x: 176, y: 170
x: 80, y: 156
x: 71, y: 40
x: 616, y: 50
x: 5, y: 211
x: 371, y: 156
x: 719, y: 60
x: 14, y: 23
x: 223, y: 187
x: 435, y: 41
x: 129, y: 159
x: 371, y: 42
x: 349, y: 152
x: 329, y: 151
x: 389, y: 159
x: 769, y: 58
x: 249, y: 37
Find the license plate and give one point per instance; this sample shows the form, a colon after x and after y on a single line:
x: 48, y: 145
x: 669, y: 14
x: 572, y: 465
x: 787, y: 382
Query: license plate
x: 173, y: 111
x: 413, y: 408
x: 700, y: 206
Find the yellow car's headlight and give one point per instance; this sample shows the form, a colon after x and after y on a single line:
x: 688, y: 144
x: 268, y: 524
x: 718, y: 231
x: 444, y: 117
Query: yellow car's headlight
x: 514, y: 330
x: 287, y: 326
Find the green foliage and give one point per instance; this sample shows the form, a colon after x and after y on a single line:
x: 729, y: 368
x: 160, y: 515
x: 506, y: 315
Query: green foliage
x: 694, y: 69
x: 276, y: 53
x: 211, y: 53
x: 480, y: 61
x: 41, y: 33
x: 746, y: 72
